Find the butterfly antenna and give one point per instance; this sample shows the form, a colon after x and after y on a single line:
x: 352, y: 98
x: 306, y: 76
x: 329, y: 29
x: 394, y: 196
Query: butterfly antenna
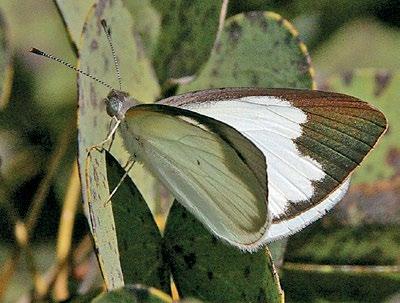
x: 107, y: 31
x: 42, y: 53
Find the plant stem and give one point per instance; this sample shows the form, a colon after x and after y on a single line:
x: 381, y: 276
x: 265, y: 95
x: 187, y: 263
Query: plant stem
x: 65, y: 230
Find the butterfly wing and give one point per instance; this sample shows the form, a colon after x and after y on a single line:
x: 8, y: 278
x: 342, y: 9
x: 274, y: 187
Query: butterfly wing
x: 312, y: 141
x: 211, y: 168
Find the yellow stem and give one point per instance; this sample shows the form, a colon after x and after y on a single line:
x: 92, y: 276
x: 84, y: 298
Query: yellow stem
x: 65, y: 230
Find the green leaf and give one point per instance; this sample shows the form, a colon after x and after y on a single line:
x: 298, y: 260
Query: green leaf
x: 380, y: 88
x: 134, y: 294
x: 139, y: 240
x: 74, y: 13
x: 93, y: 122
x: 188, y: 30
x: 256, y: 49
x: 6, y: 69
x: 205, y: 268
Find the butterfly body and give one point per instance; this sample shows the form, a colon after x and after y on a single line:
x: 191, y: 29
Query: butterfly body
x: 281, y: 155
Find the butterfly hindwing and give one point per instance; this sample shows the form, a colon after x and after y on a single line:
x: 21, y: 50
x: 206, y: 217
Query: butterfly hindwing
x: 213, y: 170
x: 311, y: 140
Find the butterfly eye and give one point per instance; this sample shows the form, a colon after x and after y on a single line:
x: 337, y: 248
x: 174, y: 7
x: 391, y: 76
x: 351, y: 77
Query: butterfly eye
x: 115, y: 102
x: 113, y: 106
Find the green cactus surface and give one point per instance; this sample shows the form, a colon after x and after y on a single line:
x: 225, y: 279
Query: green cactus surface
x: 206, y: 268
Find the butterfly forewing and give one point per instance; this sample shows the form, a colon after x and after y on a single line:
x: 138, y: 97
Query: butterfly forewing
x: 212, y: 169
x: 311, y: 140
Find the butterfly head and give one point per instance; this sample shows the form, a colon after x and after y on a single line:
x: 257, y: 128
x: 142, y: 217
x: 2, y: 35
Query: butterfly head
x: 117, y: 103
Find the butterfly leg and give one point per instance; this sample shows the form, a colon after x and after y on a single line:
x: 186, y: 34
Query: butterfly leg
x: 112, y: 134
x: 99, y: 147
x: 110, y: 137
x: 128, y: 166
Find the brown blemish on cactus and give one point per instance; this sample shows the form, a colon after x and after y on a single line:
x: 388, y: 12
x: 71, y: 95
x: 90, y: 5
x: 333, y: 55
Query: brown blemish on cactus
x: 257, y: 18
x: 382, y: 80
x: 347, y: 77
x: 94, y: 45
x: 393, y: 159
x: 235, y: 32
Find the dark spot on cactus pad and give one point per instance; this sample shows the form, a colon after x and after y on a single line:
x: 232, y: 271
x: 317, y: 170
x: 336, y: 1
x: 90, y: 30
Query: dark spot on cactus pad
x: 235, y: 32
x: 288, y: 38
x: 94, y: 100
x: 347, y: 77
x: 297, y: 39
x: 178, y: 249
x: 246, y: 271
x: 94, y: 45
x: 303, y: 66
x: 235, y: 70
x: 382, y: 80
x: 100, y: 8
x: 258, y: 18
x: 393, y: 159
x: 254, y: 79
x: 125, y: 244
x: 106, y: 64
x: 261, y: 296
x: 190, y: 260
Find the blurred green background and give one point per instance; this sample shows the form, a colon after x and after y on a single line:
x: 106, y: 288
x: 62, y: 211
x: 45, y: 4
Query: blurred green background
x: 39, y: 121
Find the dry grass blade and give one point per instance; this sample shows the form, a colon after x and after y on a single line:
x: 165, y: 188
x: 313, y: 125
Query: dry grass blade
x: 343, y: 268
x: 64, y: 239
x: 222, y: 16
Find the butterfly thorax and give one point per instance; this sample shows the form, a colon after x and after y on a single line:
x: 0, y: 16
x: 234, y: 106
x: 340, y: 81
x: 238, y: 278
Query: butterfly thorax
x: 117, y: 103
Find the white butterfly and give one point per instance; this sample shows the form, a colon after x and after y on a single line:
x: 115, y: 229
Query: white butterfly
x: 253, y: 165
